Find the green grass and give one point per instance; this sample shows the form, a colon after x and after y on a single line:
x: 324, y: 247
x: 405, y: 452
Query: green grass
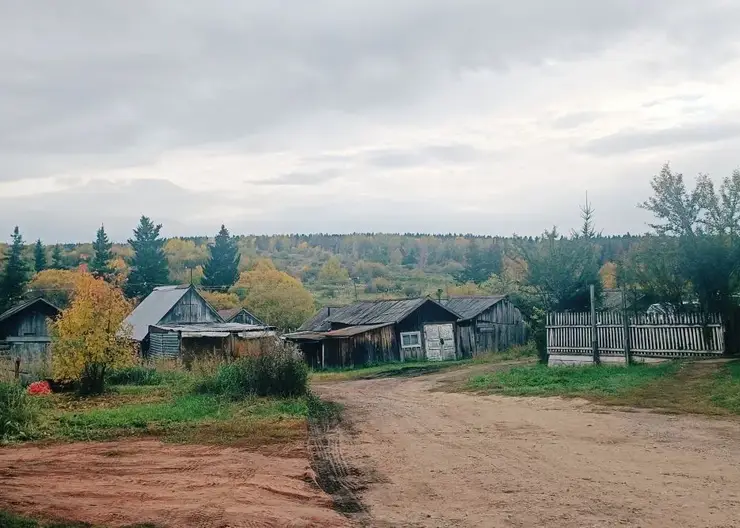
x: 172, y: 417
x: 679, y: 387
x: 9, y: 520
x: 415, y: 368
x: 540, y: 380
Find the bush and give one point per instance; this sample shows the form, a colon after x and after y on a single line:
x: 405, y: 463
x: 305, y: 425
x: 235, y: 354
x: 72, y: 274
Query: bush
x: 280, y: 372
x: 17, y: 412
x: 137, y: 375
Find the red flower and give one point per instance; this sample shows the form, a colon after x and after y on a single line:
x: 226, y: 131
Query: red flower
x: 39, y: 387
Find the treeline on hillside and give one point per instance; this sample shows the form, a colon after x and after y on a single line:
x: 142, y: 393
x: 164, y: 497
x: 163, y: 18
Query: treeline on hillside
x: 688, y: 262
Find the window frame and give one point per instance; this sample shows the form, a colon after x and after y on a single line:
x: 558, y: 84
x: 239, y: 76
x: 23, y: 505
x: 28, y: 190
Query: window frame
x: 418, y: 338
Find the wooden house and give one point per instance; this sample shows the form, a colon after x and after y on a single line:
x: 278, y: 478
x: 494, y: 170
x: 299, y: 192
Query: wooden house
x: 24, y: 330
x: 487, y: 324
x: 378, y: 331
x: 240, y: 315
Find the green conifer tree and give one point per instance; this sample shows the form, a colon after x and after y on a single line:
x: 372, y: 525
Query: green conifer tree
x: 15, y: 274
x: 149, y: 264
x: 39, y: 257
x: 100, y: 264
x: 57, y: 259
x: 221, y: 270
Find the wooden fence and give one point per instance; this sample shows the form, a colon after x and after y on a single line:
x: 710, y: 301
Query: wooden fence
x: 570, y: 337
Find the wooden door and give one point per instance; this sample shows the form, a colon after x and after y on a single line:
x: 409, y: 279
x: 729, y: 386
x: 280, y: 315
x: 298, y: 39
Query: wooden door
x: 439, y: 341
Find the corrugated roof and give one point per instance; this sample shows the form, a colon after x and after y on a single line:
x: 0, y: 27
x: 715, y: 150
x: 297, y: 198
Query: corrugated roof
x: 226, y: 315
x: 245, y: 331
x: 27, y: 304
x: 375, y: 312
x: 337, y: 334
x: 153, y: 308
x: 471, y: 306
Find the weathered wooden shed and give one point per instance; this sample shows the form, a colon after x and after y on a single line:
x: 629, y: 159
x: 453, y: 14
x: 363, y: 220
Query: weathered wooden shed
x: 240, y: 315
x: 24, y: 330
x: 169, y: 305
x: 378, y: 331
x: 487, y: 324
x: 191, y: 341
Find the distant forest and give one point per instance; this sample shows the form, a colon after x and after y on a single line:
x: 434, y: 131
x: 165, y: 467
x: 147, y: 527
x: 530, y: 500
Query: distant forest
x: 335, y: 268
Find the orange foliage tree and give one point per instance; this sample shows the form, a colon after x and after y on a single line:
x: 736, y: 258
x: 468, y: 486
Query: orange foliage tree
x: 221, y: 300
x: 89, y: 338
x: 56, y: 286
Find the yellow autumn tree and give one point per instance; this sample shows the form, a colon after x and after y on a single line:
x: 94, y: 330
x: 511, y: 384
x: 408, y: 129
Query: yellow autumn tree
x: 89, y: 338
x: 221, y: 300
x: 608, y: 274
x: 274, y: 296
x: 56, y: 286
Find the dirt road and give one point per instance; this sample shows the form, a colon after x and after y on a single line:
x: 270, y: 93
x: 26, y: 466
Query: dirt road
x: 411, y: 456
x: 145, y: 481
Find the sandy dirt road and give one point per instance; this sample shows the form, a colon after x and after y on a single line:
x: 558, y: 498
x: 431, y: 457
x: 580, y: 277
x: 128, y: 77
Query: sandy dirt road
x: 131, y: 482
x: 409, y: 455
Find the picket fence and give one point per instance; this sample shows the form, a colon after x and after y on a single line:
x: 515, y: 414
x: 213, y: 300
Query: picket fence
x: 569, y: 336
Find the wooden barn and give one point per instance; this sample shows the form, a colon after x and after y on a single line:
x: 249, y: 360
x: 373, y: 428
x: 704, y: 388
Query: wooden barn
x: 487, y: 324
x: 240, y: 315
x: 378, y: 331
x: 24, y: 330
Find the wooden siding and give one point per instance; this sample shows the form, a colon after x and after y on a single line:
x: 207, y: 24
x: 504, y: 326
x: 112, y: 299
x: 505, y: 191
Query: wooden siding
x: 494, y: 330
x: 428, y: 313
x: 374, y: 346
x: 245, y: 318
x: 650, y: 336
x: 192, y: 308
x: 26, y: 335
x: 164, y: 345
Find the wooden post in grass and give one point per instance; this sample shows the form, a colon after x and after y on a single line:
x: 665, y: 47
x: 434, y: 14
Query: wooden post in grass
x: 17, y: 369
x: 594, y: 336
x: 626, y: 323
x: 323, y: 359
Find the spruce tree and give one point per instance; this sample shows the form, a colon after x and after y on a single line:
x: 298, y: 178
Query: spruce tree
x: 149, y: 264
x: 15, y: 275
x: 39, y: 257
x: 100, y: 264
x: 57, y: 260
x: 222, y: 268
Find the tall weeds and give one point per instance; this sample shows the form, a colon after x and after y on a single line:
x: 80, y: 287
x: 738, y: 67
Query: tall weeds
x: 18, y: 413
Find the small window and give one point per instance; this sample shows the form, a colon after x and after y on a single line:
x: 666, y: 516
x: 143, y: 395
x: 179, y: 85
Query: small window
x: 410, y: 339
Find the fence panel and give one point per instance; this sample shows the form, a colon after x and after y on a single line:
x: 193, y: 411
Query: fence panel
x: 650, y: 336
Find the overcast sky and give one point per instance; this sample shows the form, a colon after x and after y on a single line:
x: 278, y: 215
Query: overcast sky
x: 483, y: 116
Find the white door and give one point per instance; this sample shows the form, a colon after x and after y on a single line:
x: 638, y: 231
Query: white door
x: 439, y: 341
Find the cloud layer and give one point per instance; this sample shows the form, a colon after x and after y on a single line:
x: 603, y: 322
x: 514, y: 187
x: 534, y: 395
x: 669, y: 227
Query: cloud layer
x: 432, y: 115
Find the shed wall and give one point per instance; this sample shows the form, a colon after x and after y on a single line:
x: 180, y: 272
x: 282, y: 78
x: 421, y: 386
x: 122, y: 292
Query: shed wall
x: 191, y: 308
x: 494, y: 330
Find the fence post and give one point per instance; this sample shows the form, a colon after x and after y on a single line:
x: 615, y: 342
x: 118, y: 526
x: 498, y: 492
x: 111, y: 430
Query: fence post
x: 626, y: 323
x: 594, y: 335
x: 17, y: 371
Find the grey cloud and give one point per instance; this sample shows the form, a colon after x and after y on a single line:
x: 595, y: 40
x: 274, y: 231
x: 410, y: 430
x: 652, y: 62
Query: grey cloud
x: 575, y: 119
x: 72, y: 214
x: 628, y: 141
x: 107, y: 82
x: 300, y: 178
x: 433, y: 154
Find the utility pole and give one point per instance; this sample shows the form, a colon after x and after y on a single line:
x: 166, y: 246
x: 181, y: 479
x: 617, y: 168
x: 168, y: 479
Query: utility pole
x: 594, y: 336
x: 354, y: 283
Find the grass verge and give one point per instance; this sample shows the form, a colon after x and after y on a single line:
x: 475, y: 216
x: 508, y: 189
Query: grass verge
x: 682, y: 387
x: 10, y: 520
x: 417, y: 368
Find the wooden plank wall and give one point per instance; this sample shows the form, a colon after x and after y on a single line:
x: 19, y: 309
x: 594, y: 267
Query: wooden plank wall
x: 654, y: 336
x: 494, y: 330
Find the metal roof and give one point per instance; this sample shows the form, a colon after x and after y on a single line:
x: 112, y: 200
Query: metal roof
x: 469, y: 307
x: 217, y: 329
x: 337, y: 334
x: 375, y: 312
x: 27, y: 304
x: 153, y: 308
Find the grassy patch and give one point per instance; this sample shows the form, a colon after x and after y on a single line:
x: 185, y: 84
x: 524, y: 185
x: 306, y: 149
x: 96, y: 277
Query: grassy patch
x: 689, y: 387
x: 9, y: 520
x: 540, y: 380
x: 417, y: 368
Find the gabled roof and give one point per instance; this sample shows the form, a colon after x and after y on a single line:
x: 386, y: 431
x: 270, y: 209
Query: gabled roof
x: 318, y: 322
x: 153, y: 308
x: 228, y: 315
x: 366, y: 313
x: 38, y: 302
x: 471, y: 306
